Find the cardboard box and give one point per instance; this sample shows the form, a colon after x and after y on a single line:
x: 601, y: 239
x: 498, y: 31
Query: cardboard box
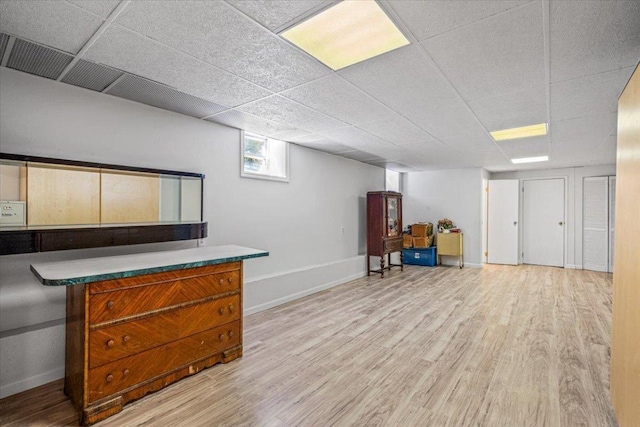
x: 407, y: 241
x: 422, y: 229
x: 420, y: 242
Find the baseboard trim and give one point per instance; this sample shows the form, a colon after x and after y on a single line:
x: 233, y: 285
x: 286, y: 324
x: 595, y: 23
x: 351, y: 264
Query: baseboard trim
x: 31, y: 382
x: 283, y: 300
x: 466, y: 264
x: 573, y: 267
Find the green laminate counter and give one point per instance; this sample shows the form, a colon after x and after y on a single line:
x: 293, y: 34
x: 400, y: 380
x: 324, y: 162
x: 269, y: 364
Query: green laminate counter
x: 65, y: 273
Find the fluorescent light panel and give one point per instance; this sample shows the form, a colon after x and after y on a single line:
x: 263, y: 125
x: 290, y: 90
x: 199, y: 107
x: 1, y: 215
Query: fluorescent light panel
x: 530, y: 159
x: 347, y: 33
x: 521, y: 132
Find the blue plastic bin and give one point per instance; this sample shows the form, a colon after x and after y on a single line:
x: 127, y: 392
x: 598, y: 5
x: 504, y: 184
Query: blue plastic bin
x: 426, y: 256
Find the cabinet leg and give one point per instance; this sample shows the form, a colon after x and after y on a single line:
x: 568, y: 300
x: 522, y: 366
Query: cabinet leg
x: 382, y: 267
x: 401, y: 261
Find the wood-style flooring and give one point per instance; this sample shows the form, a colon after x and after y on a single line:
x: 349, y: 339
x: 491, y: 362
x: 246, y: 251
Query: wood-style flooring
x: 498, y: 346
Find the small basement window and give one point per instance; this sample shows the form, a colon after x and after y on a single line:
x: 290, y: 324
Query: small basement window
x: 264, y: 158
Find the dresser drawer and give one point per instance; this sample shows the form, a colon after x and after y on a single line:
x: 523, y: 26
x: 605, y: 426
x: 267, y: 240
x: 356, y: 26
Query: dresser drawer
x: 117, y: 304
x: 121, y: 374
x: 122, y: 340
x: 393, y: 245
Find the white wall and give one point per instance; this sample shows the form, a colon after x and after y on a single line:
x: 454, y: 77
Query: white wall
x: 455, y: 194
x: 313, y: 226
x: 574, y: 177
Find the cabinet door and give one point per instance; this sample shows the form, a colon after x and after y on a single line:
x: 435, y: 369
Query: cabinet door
x: 393, y: 224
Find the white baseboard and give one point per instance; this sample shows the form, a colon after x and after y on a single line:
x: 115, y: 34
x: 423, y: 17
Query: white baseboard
x: 573, y: 267
x: 31, y: 382
x: 264, y: 292
x: 466, y: 264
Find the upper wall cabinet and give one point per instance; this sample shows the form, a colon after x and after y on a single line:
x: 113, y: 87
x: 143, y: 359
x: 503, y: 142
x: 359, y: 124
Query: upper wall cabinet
x: 100, y: 205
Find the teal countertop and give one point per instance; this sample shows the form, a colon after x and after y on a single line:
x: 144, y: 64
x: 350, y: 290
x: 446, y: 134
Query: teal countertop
x: 65, y: 273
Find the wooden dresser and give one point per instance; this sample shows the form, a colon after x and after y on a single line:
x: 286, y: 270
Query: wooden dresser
x: 136, y: 333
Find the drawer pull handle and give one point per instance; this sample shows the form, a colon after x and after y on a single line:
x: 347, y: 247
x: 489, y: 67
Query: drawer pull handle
x: 230, y: 334
x: 125, y: 373
x: 221, y: 337
x: 221, y: 281
x: 230, y: 280
x: 110, y: 305
x: 126, y: 338
x: 221, y: 310
x: 231, y: 308
x: 109, y: 378
x: 110, y: 343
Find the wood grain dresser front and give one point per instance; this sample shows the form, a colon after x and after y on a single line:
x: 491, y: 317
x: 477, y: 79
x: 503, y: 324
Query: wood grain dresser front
x: 130, y: 336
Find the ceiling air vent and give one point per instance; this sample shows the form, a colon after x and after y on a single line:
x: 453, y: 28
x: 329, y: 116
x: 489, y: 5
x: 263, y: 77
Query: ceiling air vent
x: 91, y: 76
x: 158, y: 95
x: 4, y: 41
x: 39, y: 60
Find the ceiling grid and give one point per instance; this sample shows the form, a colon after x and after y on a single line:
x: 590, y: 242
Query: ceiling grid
x: 471, y: 67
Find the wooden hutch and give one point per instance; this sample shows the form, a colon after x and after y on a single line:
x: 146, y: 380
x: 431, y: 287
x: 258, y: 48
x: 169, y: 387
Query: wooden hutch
x: 384, y: 228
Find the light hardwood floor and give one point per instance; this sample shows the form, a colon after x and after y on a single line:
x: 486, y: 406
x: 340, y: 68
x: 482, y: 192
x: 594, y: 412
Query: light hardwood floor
x: 498, y: 346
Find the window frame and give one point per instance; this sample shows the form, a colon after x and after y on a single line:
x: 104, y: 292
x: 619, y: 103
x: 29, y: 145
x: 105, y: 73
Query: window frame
x: 255, y: 175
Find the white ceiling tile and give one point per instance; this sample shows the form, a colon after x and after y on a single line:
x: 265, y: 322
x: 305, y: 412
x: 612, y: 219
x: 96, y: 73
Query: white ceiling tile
x: 398, y: 130
x: 428, y: 18
x: 290, y: 135
x: 361, y: 156
x: 298, y: 116
x: 589, y: 37
x: 512, y: 110
x: 402, y: 79
x: 121, y: 48
x: 338, y: 98
x: 390, y: 152
x: 432, y: 154
x: 499, y: 55
x: 355, y: 138
x: 588, y: 95
x: 446, y: 120
x: 218, y: 34
x: 99, y: 7
x: 607, y: 152
x: 526, y: 147
x: 586, y: 131
x: 480, y: 141
x: 274, y: 14
x: 53, y: 23
x: 248, y: 122
x: 326, y: 145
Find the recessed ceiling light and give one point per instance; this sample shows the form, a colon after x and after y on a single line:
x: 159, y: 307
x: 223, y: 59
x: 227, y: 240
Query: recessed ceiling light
x: 347, y: 33
x: 530, y: 159
x: 521, y: 132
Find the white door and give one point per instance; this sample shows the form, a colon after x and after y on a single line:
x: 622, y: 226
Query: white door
x: 543, y: 222
x: 595, y: 221
x: 502, y: 239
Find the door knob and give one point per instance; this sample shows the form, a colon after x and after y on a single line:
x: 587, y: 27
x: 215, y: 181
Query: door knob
x: 515, y: 222
x: 560, y: 223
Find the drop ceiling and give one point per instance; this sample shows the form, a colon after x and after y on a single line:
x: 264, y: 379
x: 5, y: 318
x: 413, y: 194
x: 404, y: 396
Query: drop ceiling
x: 471, y: 67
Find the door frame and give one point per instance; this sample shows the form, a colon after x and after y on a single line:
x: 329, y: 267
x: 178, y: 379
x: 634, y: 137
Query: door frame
x: 521, y: 217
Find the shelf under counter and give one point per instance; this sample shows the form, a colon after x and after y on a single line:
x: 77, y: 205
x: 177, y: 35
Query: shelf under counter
x: 25, y: 239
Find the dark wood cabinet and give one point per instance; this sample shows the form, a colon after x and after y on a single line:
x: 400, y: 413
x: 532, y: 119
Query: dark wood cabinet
x: 384, y: 228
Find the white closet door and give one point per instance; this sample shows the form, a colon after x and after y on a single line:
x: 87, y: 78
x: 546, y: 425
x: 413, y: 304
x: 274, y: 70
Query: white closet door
x: 543, y: 222
x: 502, y: 242
x: 595, y: 236
x: 612, y: 219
